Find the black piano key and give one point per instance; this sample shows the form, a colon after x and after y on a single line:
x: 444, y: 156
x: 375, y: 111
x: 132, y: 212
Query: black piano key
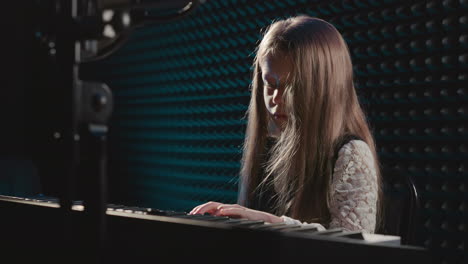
x: 153, y: 211
x: 196, y: 217
x: 233, y: 221
x: 175, y: 213
x: 305, y: 229
x: 248, y: 223
x: 187, y: 216
x: 283, y: 227
x: 217, y: 218
x: 270, y: 226
x: 289, y: 228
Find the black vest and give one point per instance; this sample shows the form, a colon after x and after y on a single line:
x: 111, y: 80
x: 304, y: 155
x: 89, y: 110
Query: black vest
x: 265, y: 197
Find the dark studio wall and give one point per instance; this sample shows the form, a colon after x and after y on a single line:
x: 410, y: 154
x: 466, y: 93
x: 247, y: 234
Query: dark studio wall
x: 181, y: 91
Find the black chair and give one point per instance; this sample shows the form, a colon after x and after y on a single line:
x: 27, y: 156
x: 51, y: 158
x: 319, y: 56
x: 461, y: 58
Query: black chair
x: 401, y: 206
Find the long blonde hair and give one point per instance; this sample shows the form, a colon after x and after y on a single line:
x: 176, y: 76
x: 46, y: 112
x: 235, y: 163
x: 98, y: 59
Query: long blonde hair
x: 322, y: 107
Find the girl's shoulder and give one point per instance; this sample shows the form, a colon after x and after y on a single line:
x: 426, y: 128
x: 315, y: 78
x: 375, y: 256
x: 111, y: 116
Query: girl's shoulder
x: 355, y: 145
x: 356, y: 152
x: 344, y: 140
x: 356, y: 149
x: 347, y: 143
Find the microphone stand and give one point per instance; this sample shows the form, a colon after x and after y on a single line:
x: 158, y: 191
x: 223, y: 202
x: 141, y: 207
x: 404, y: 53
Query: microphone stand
x: 77, y: 27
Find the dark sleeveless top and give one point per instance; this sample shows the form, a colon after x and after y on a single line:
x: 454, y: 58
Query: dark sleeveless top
x: 265, y: 197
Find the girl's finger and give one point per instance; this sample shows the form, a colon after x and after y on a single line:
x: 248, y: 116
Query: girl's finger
x: 207, y: 207
x: 237, y: 212
x: 194, y: 209
x: 222, y: 206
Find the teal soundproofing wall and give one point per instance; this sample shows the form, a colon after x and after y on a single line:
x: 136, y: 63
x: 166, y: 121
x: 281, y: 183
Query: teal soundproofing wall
x: 182, y: 88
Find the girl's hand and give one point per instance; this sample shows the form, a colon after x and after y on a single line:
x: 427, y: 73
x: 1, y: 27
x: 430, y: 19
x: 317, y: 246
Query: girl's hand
x: 235, y: 211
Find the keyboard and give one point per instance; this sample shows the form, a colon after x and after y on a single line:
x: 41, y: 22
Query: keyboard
x: 137, y: 234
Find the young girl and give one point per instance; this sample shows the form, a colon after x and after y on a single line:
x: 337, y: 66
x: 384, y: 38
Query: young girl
x: 309, y: 157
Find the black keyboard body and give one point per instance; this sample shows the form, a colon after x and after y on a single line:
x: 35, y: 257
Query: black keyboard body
x: 45, y: 234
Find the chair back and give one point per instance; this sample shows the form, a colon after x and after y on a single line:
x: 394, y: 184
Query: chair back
x: 401, y: 206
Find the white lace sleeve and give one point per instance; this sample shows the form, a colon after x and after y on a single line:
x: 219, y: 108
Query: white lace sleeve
x: 354, y: 189
x: 290, y: 221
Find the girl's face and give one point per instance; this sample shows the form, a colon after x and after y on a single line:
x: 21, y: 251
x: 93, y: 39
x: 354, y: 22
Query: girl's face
x: 275, y: 71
